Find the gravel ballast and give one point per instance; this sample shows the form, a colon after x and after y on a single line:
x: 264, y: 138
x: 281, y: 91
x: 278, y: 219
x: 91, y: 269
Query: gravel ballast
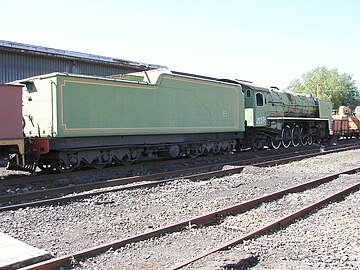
x: 167, y: 250
x: 326, y: 239
x: 63, y: 229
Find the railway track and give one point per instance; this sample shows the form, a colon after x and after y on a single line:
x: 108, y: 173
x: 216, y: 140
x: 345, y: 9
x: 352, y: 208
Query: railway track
x: 240, y: 158
x: 223, y: 224
x: 66, y: 194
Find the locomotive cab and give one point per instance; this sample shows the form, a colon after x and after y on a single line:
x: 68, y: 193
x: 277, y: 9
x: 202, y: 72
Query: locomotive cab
x: 256, y: 112
x: 256, y: 105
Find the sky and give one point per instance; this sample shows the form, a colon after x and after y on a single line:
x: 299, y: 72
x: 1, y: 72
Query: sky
x: 268, y: 42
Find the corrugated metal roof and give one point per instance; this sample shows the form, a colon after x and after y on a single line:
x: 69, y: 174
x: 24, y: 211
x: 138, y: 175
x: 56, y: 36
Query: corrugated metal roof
x: 71, y: 54
x: 19, y: 61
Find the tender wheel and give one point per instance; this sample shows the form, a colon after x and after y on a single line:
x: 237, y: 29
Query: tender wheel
x: 286, y: 136
x: 97, y: 165
x: 193, y: 154
x: 295, y: 136
x: 216, y: 149
x: 195, y: 151
x: 62, y: 167
x: 226, y: 151
x: 47, y: 168
x: 209, y: 153
x: 126, y: 161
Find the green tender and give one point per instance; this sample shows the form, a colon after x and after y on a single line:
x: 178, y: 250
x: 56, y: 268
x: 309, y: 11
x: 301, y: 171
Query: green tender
x: 89, y: 106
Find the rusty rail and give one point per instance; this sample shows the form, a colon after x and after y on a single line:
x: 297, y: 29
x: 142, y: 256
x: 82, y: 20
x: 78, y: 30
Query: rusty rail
x: 264, y: 161
x: 123, y: 181
x: 270, y: 226
x: 261, y: 161
x: 203, y: 220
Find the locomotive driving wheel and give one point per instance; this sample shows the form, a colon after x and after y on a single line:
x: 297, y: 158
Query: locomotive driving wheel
x: 275, y: 143
x: 304, y: 136
x: 310, y: 140
x: 296, y: 136
x: 286, y: 136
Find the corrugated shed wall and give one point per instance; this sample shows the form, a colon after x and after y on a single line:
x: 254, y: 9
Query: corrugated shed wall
x: 20, y: 65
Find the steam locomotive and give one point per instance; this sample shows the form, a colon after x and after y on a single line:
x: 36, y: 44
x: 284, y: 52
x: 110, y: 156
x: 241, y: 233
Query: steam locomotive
x: 66, y: 121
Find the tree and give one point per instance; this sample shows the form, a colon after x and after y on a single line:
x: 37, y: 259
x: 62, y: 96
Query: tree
x: 340, y: 89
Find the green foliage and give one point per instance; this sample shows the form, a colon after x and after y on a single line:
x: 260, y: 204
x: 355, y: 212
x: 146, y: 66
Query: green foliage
x: 329, y: 79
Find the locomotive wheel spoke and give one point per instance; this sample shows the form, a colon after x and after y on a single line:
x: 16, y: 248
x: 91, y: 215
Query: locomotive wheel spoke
x: 286, y: 136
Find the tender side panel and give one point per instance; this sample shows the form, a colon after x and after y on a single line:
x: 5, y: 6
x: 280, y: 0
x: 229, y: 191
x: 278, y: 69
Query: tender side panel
x: 89, y: 107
